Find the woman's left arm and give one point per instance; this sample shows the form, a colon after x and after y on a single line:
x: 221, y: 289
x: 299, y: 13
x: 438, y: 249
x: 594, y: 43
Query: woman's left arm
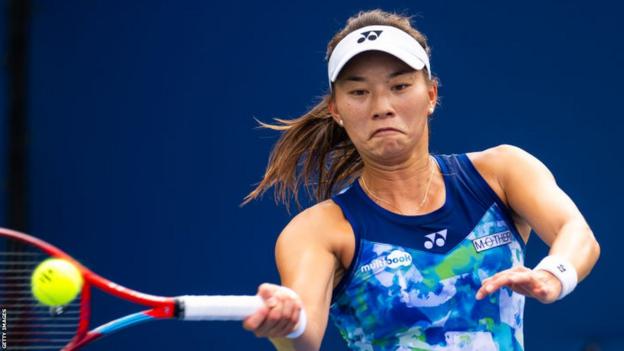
x: 532, y: 193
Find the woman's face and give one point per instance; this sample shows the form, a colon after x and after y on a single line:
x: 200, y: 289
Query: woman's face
x: 383, y: 104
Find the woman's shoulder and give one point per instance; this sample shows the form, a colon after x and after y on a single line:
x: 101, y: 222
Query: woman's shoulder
x: 502, y: 164
x: 322, y: 222
x: 498, y: 160
x: 324, y: 216
x: 494, y: 162
x: 495, y: 154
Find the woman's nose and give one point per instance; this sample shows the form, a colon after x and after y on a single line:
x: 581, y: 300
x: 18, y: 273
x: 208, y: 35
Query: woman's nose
x: 381, y: 107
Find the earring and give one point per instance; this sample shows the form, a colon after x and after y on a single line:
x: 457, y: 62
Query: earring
x: 431, y: 109
x: 341, y: 123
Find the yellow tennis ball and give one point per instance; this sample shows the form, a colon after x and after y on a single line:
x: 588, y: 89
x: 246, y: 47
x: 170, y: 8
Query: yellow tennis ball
x: 56, y: 282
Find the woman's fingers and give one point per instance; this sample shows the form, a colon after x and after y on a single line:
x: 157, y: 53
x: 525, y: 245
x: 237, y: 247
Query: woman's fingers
x: 279, y: 316
x: 266, y: 290
x: 524, y: 281
x: 509, y: 278
x: 267, y: 328
x: 252, y: 322
x: 287, y: 323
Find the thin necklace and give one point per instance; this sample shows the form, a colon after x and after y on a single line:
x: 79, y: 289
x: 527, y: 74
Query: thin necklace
x: 378, y: 199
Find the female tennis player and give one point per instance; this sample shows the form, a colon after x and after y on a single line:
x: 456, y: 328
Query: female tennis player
x: 406, y: 250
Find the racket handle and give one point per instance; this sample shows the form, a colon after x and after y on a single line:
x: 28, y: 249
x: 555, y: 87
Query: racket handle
x: 218, y: 308
x: 227, y: 308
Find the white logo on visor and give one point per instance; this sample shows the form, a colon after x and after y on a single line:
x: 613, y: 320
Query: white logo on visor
x: 369, y: 35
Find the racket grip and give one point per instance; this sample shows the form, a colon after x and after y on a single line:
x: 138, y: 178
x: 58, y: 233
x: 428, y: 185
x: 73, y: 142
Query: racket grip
x: 218, y: 308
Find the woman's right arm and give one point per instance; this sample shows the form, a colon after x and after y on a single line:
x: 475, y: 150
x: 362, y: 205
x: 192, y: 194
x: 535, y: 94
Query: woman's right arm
x: 307, y: 255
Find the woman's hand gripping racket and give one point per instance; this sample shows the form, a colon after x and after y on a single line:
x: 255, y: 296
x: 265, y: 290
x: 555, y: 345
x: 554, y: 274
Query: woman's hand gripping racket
x: 29, y: 325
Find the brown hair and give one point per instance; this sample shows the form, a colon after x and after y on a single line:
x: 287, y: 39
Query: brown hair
x: 313, y: 149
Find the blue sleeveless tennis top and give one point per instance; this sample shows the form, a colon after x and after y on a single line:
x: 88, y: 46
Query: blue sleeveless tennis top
x: 413, y: 279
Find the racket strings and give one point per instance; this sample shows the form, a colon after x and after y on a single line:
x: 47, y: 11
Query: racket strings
x: 28, y: 324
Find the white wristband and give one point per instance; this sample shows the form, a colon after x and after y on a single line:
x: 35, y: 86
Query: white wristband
x: 300, y: 328
x: 563, y: 270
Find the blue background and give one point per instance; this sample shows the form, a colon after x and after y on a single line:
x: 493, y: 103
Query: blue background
x: 143, y: 144
x: 3, y: 109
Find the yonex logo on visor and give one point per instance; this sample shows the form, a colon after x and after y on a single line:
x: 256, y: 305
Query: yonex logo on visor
x: 388, y: 39
x: 370, y: 35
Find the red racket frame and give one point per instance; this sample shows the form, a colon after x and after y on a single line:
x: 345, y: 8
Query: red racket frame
x: 162, y: 307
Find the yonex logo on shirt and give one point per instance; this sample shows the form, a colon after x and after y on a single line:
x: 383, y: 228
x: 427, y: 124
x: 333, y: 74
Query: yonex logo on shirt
x: 369, y: 35
x: 395, y: 259
x: 435, y: 239
x: 492, y: 241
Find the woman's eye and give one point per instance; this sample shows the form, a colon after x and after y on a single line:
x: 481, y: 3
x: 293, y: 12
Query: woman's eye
x: 358, y: 92
x: 400, y: 87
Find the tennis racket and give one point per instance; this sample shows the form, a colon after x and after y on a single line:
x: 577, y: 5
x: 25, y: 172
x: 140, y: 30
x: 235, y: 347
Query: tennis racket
x: 29, y: 325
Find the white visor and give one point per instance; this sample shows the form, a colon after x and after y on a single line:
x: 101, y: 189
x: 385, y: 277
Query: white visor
x: 388, y: 39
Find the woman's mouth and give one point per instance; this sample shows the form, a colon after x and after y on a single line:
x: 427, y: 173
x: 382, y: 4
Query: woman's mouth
x: 384, y: 131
